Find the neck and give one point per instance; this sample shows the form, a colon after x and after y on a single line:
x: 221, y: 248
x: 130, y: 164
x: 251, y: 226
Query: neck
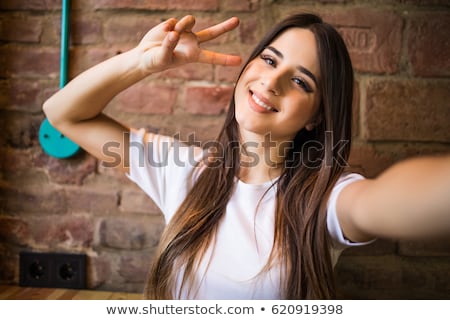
x: 262, y: 158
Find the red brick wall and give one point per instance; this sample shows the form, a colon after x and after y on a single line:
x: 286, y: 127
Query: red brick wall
x: 401, y: 55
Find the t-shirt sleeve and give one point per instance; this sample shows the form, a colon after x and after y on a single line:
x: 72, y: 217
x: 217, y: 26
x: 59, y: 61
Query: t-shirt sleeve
x: 161, y: 166
x: 334, y: 228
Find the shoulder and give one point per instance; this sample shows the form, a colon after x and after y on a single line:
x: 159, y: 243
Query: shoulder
x: 347, y: 178
x: 165, y: 146
x: 336, y: 225
x: 348, y: 194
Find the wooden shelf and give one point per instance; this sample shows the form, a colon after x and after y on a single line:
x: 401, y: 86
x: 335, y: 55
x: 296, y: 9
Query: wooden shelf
x: 10, y: 292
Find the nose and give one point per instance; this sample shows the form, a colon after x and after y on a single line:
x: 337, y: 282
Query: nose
x: 273, y: 82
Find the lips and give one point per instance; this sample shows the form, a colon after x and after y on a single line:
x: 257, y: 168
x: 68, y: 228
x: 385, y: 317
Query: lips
x: 260, y: 104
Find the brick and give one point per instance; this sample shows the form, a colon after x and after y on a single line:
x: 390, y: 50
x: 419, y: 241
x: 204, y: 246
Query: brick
x: 203, y: 128
x: 207, y: 130
x: 15, y: 200
x: 431, y: 273
x: 26, y: 176
x: 93, y: 201
x: 426, y: 2
x: 22, y: 95
x: 85, y: 29
x: 47, y: 89
x: 200, y: 5
x: 112, y: 174
x: 407, y: 110
x: 131, y: 232
x: 14, y: 230
x: 20, y: 130
x: 15, y: 160
x: 240, y: 5
x: 133, y: 267
x: 128, y: 28
x: 21, y: 29
x: 227, y: 74
x: 249, y: 30
x: 20, y: 61
x: 8, y: 264
x: 356, y: 109
x: 426, y: 248
x: 5, y: 95
x: 428, y: 45
x: 148, y: 98
x: 139, y: 202
x: 392, y: 277
x: 111, y: 281
x: 131, y: 4
x: 191, y: 71
x: 51, y: 33
x: 373, y: 38
x: 98, y: 271
x: 30, y: 4
x: 371, y: 159
x: 68, y: 231
x: 382, y: 272
x: 208, y: 100
x: 72, y: 170
x: 86, y: 5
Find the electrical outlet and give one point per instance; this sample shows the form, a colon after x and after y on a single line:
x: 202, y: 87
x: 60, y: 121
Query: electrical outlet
x: 53, y: 270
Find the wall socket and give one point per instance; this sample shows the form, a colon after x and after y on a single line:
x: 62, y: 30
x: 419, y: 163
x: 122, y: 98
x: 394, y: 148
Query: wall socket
x: 53, y: 270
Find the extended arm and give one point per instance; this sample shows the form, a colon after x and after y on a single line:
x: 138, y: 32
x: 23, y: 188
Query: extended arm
x: 409, y: 200
x: 76, y: 110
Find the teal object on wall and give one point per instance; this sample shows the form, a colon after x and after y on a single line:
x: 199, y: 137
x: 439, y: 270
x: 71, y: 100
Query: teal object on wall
x: 55, y: 143
x: 52, y: 141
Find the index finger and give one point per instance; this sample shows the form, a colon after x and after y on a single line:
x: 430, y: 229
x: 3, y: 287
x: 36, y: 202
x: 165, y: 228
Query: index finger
x: 217, y: 30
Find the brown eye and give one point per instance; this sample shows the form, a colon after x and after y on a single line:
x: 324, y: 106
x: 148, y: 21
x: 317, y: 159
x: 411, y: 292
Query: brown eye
x: 268, y: 60
x: 302, y: 84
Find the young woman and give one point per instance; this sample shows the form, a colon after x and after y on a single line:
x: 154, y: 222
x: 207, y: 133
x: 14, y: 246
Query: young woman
x: 265, y: 212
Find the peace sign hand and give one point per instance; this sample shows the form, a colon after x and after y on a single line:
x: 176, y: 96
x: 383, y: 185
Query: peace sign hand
x: 172, y: 43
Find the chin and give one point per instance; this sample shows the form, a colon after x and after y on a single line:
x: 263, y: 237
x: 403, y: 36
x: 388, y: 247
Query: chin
x: 247, y: 128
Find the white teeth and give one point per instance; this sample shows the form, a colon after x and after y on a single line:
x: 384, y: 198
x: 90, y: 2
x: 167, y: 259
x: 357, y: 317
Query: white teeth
x: 262, y: 104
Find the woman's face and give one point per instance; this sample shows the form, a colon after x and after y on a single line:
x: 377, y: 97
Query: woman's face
x: 278, y: 90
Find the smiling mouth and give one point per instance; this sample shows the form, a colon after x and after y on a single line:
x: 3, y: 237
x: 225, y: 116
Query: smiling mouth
x: 261, y: 103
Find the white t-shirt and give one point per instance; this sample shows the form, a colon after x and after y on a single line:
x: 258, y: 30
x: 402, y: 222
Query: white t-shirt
x: 231, y: 267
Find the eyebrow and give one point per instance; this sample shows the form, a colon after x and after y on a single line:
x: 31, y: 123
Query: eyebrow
x: 300, y: 68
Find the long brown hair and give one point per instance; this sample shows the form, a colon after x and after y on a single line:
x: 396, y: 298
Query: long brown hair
x: 301, y: 242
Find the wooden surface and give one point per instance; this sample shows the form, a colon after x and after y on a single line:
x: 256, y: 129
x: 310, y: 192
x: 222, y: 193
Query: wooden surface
x: 8, y: 292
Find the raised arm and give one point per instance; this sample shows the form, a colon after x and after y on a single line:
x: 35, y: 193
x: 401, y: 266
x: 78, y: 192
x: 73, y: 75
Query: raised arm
x: 410, y: 200
x: 76, y: 110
